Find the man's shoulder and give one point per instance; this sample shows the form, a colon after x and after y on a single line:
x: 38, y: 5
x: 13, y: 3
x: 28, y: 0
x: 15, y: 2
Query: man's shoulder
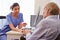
x: 43, y: 20
x: 42, y: 23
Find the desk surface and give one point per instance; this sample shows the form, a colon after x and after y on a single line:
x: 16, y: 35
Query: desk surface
x: 13, y: 35
x: 13, y: 32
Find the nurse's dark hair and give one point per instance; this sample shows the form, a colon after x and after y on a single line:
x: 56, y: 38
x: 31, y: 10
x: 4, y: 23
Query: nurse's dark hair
x: 14, y: 5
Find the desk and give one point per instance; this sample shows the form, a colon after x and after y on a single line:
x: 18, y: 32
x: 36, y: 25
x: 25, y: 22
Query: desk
x: 13, y: 35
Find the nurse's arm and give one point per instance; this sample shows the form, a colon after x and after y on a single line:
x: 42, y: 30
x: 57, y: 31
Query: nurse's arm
x: 20, y: 25
x: 11, y: 24
x: 12, y: 27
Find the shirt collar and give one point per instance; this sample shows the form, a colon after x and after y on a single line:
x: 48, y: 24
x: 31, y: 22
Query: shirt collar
x: 53, y: 17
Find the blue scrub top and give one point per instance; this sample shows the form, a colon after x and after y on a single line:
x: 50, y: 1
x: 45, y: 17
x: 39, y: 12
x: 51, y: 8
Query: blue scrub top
x: 14, y: 21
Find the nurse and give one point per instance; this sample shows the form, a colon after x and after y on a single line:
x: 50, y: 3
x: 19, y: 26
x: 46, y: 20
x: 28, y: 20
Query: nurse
x: 14, y: 19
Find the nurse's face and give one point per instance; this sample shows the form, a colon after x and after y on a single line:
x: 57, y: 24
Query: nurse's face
x: 16, y: 9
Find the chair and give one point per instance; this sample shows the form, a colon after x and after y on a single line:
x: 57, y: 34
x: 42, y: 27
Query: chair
x: 2, y: 21
x: 58, y: 37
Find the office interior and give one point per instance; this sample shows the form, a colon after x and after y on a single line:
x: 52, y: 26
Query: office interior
x: 31, y: 9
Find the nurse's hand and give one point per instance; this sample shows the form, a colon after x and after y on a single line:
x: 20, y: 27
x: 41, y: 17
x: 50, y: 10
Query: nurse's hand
x: 20, y: 30
x: 24, y: 31
x: 24, y: 24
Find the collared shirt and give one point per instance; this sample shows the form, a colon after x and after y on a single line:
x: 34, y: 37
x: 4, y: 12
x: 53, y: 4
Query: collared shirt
x: 47, y: 29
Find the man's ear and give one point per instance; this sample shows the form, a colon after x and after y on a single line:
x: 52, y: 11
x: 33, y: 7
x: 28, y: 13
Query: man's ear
x: 48, y: 11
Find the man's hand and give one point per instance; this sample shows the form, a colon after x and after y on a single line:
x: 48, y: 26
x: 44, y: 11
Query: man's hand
x: 26, y: 32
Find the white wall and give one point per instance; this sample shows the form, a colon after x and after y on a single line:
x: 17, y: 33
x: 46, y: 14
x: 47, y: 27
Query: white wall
x: 41, y: 4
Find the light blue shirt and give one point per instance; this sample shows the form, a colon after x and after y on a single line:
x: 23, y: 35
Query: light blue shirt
x: 47, y: 29
x: 14, y: 21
